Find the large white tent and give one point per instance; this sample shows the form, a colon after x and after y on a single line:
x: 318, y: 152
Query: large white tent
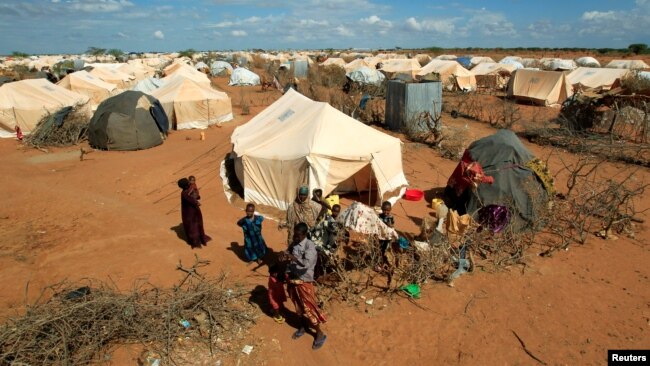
x: 298, y: 141
x: 241, y: 76
x: 452, y: 74
x: 83, y: 82
x: 596, y: 78
x: 548, y: 88
x: 189, y: 104
x: 366, y: 75
x: 627, y: 64
x: 23, y: 103
x: 492, y: 75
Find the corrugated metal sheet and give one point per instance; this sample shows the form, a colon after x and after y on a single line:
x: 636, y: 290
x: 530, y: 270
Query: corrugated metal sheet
x: 406, y: 102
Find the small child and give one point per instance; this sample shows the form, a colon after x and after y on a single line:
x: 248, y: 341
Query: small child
x: 194, y: 190
x: 317, y: 196
x: 387, y: 219
x: 254, y: 245
x: 332, y: 228
x: 276, y: 293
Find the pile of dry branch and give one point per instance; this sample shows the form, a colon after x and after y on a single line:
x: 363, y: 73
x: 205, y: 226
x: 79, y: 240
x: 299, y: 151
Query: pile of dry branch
x: 65, y: 127
x: 78, y: 323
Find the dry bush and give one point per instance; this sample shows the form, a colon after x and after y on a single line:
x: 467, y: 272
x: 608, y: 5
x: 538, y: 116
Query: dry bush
x: 78, y: 323
x: 469, y: 105
x: 349, y: 58
x: 635, y: 83
x: 593, y: 204
x: 330, y: 76
x: 504, y: 114
x: 259, y: 62
x: 606, y: 146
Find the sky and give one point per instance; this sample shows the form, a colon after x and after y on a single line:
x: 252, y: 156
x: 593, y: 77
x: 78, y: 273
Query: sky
x: 72, y: 26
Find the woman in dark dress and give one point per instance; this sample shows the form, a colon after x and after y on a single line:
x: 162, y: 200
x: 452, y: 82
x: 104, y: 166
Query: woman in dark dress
x: 192, y: 217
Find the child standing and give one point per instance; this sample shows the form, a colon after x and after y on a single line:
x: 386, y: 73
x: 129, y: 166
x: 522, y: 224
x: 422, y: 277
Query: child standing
x: 388, y: 219
x: 254, y: 244
x: 276, y: 293
x: 332, y: 228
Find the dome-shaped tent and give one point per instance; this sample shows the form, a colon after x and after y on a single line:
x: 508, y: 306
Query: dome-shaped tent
x: 131, y: 120
x: 516, y: 183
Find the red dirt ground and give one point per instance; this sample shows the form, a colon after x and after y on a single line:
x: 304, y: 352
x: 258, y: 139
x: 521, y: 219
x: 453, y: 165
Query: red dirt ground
x: 112, y: 217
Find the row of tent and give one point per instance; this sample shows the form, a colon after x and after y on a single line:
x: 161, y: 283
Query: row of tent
x: 184, y: 93
x: 190, y: 102
x: 489, y: 75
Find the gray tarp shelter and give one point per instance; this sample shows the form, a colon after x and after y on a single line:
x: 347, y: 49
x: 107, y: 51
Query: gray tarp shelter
x: 131, y: 120
x: 516, y: 186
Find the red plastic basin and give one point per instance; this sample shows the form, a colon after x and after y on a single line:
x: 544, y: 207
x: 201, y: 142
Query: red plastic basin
x: 413, y: 194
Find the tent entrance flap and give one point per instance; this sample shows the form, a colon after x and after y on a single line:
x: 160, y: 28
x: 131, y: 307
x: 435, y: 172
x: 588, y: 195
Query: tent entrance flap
x: 361, y: 181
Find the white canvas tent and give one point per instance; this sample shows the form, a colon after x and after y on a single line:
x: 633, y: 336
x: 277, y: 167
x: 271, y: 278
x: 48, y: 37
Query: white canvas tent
x: 188, y: 72
x: 83, y: 82
x: 403, y: 69
x: 492, y: 75
x: 366, y: 75
x: 548, y: 88
x: 452, y: 74
x: 355, y: 64
x: 587, y: 61
x: 241, y: 76
x: 138, y: 70
x: 627, y: 64
x: 476, y: 60
x: 148, y: 85
x: 334, y: 61
x: 109, y: 75
x: 220, y: 68
x: 596, y: 78
x: 298, y: 141
x: 192, y: 105
x: 23, y: 103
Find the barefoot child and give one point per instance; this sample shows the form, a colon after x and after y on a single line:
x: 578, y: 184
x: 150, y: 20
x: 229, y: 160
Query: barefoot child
x: 254, y: 244
x: 277, y: 295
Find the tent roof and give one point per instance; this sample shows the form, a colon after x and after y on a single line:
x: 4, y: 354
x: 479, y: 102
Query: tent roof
x: 401, y: 65
x: 37, y: 94
x: 179, y: 89
x: 86, y: 80
x: 595, y: 77
x: 627, y: 64
x: 188, y: 73
x: 487, y: 68
x: 444, y: 67
x: 108, y: 74
x: 296, y: 126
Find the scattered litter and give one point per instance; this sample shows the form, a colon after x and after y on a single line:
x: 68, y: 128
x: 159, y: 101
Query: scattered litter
x: 185, y: 323
x: 370, y: 301
x: 413, y: 290
x: 247, y: 349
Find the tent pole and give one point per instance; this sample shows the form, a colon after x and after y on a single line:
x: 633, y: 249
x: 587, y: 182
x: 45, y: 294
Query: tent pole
x: 370, y: 184
x: 13, y: 109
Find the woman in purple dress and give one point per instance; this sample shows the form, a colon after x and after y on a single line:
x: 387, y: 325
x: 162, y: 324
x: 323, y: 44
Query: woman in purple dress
x: 192, y: 217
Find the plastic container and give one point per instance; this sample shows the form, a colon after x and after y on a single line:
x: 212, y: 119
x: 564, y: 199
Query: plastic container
x: 435, y: 203
x: 413, y: 194
x: 441, y: 211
